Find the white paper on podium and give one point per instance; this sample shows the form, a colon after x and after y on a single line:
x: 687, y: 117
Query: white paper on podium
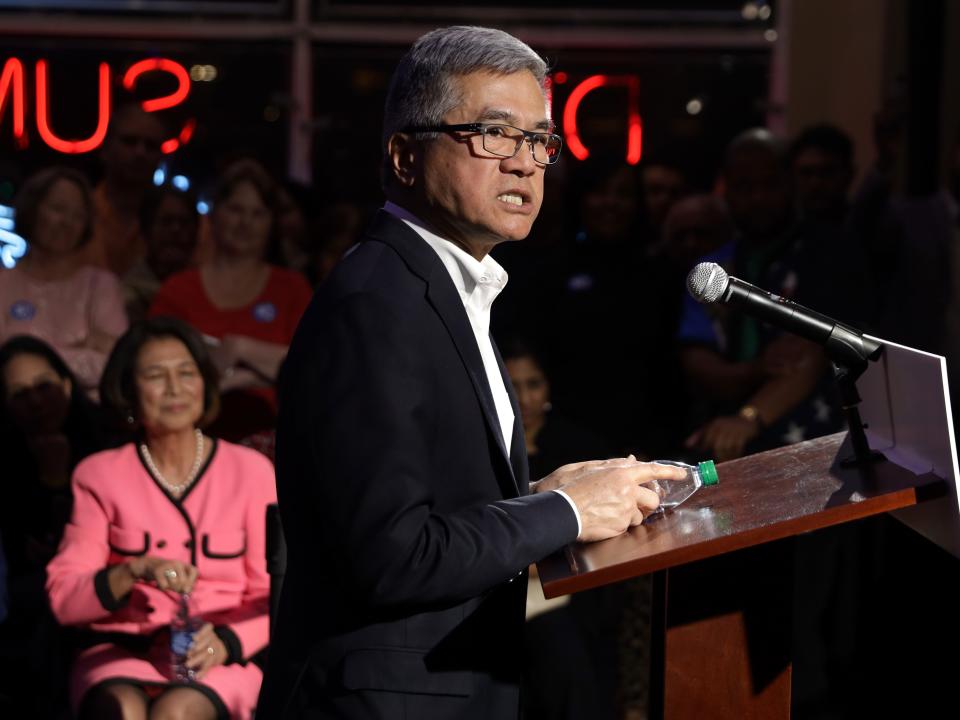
x: 906, y: 410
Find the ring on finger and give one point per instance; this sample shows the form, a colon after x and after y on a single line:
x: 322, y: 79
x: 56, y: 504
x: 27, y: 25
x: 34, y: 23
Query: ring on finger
x: 170, y: 574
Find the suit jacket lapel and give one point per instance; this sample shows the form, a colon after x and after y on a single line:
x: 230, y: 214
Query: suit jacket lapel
x: 443, y: 296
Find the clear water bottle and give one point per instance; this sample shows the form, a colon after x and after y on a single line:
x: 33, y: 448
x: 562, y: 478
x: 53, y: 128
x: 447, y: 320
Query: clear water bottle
x: 183, y: 627
x: 674, y: 492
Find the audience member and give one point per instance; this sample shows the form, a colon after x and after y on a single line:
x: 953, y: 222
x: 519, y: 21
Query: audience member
x: 51, y: 294
x: 695, y: 227
x: 336, y: 229
x: 571, y: 664
x: 168, y: 223
x: 246, y: 308
x: 821, y: 160
x: 822, y: 165
x: 130, y: 156
x: 293, y: 201
x: 761, y: 387
x: 176, y: 512
x: 904, y: 237
x: 47, y: 425
x: 662, y: 183
x: 598, y: 300
x: 552, y: 440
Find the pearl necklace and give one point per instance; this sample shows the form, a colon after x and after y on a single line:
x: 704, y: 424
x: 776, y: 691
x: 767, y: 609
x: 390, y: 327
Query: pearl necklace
x: 191, y: 476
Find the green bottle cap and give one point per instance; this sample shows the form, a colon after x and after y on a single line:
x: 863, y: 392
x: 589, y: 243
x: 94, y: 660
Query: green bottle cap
x: 708, y: 472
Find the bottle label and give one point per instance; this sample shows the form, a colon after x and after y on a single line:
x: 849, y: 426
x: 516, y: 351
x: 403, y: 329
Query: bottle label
x: 181, y: 640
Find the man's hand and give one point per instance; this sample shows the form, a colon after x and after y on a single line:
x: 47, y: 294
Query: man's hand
x: 568, y: 473
x: 725, y: 438
x: 608, y: 495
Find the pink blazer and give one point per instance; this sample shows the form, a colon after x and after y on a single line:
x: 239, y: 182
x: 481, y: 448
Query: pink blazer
x: 218, y: 525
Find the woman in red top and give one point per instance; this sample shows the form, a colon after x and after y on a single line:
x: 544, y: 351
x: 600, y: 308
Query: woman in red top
x: 246, y: 308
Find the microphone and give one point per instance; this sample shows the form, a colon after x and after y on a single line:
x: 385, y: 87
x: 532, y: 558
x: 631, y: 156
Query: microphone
x: 709, y: 283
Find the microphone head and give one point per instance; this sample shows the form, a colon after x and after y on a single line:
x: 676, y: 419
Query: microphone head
x: 707, y: 282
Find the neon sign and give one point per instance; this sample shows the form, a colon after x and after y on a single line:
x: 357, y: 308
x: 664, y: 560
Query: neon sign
x: 11, y: 85
x: 72, y: 147
x: 634, y: 123
x: 12, y: 246
x: 13, y: 94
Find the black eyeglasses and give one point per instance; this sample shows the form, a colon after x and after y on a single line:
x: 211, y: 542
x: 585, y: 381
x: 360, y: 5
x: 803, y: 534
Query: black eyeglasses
x: 504, y: 140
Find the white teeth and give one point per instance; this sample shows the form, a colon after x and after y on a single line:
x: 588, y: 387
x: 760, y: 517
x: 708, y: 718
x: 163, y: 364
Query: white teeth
x: 511, y: 198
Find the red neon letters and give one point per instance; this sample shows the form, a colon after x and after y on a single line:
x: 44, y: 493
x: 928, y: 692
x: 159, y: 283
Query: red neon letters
x: 186, y: 132
x: 162, y: 64
x: 72, y: 147
x: 13, y: 95
x: 13, y: 88
x: 634, y: 124
x: 11, y: 84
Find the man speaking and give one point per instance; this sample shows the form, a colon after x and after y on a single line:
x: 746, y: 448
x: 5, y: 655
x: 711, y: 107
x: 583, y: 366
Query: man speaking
x: 401, y: 467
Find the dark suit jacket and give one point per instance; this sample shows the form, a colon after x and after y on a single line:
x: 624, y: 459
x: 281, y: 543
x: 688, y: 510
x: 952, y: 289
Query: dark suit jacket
x: 408, y: 527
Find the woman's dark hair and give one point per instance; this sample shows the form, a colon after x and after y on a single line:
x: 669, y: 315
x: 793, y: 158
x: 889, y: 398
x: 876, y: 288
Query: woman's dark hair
x: 248, y: 170
x: 118, y: 389
x: 516, y: 347
x: 82, y: 424
x: 35, y: 190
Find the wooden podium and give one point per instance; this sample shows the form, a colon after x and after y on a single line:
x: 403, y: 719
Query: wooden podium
x: 723, y: 565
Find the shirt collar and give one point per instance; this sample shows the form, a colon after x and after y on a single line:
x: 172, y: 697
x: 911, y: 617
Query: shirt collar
x: 465, y: 270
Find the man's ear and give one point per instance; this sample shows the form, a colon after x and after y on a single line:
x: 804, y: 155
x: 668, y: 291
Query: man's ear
x: 404, y: 154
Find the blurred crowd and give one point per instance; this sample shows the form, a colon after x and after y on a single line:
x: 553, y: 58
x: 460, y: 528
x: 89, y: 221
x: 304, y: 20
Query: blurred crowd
x: 606, y: 351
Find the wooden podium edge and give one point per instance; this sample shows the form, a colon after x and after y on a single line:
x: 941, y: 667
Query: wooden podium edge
x: 578, y: 581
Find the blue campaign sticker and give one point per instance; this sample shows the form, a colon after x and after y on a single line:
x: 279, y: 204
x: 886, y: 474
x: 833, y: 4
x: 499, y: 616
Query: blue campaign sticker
x: 581, y: 282
x: 23, y: 310
x: 265, y: 312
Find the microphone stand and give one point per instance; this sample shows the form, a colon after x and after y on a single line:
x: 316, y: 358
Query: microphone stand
x: 850, y: 352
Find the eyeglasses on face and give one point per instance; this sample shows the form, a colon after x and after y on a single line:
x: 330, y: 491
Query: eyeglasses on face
x: 504, y: 140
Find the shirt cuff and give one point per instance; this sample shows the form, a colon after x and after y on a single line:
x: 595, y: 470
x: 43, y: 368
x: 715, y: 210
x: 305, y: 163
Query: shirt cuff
x: 573, y: 505
x: 231, y: 642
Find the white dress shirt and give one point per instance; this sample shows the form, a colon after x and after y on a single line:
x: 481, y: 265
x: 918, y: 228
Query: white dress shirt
x: 478, y: 282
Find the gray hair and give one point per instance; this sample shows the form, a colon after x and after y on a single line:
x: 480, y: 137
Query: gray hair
x: 423, y: 90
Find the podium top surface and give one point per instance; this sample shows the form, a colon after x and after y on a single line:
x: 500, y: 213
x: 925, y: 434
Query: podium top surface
x: 759, y: 499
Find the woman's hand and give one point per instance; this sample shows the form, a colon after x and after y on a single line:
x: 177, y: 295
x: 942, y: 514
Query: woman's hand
x: 206, y: 651
x: 165, y: 574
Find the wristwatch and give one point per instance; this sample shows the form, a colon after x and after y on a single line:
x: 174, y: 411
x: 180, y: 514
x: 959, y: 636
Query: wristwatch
x: 749, y: 412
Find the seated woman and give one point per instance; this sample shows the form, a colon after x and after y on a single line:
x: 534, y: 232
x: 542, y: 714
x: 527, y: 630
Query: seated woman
x: 47, y: 426
x: 246, y: 308
x: 174, y: 512
x: 51, y: 294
